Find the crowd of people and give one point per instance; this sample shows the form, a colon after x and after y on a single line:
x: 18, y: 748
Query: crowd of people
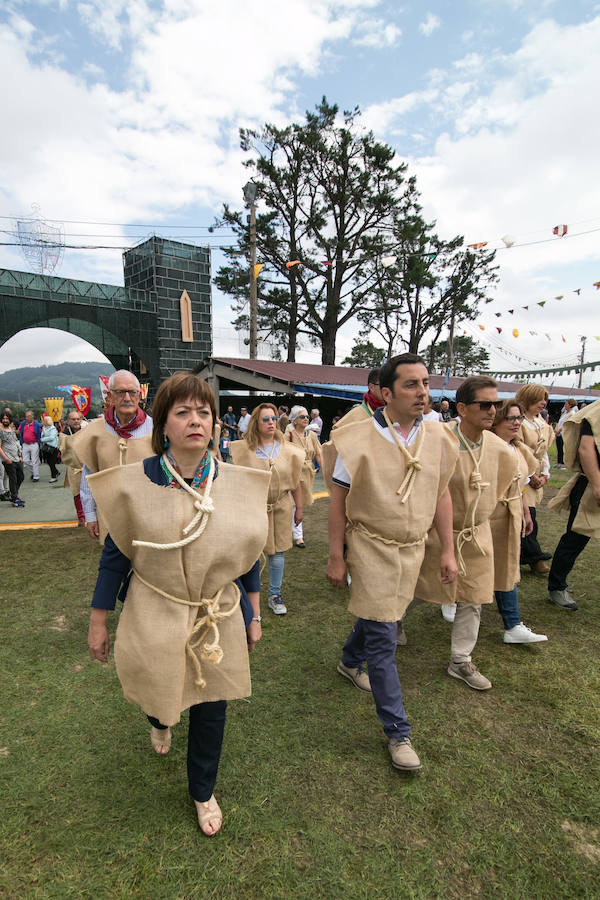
x: 426, y: 504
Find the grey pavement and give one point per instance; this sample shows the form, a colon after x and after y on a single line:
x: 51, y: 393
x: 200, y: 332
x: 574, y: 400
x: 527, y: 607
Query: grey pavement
x: 44, y: 502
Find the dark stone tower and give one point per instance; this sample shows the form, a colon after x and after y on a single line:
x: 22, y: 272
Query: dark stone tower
x: 166, y: 269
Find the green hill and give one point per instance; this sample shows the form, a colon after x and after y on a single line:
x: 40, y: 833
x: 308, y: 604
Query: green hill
x: 30, y: 385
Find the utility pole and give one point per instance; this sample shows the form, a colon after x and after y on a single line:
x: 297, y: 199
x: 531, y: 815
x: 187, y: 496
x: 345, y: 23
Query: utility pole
x: 450, y: 357
x: 250, y: 198
x: 581, y: 359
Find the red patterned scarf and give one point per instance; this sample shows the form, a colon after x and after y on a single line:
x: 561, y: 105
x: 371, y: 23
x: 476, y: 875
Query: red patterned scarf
x: 124, y: 431
x: 372, y: 402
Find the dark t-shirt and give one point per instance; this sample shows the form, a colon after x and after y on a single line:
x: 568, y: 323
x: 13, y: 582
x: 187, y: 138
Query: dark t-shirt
x: 586, y: 428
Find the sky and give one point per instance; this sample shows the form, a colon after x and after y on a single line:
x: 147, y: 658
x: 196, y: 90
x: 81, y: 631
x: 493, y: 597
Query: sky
x: 122, y: 113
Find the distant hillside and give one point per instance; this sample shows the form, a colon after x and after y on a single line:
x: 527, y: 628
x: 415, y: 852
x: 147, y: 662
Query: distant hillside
x: 33, y: 383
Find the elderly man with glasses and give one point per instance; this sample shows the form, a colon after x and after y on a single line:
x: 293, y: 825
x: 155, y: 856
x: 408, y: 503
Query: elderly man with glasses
x: 123, y: 436
x: 485, y: 469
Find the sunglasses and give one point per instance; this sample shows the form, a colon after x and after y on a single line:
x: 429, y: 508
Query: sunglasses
x: 302, y: 417
x: 514, y: 419
x: 486, y: 404
x: 121, y: 394
x: 269, y: 419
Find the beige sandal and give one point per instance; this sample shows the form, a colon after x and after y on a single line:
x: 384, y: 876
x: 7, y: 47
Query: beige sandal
x: 161, y: 740
x: 209, y: 811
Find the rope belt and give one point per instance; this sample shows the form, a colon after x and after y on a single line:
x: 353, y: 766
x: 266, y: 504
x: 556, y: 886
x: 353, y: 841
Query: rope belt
x: 198, y: 639
x: 466, y: 536
x: 271, y: 506
x: 358, y: 526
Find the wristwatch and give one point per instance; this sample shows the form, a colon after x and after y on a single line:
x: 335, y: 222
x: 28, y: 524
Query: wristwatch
x: 257, y: 618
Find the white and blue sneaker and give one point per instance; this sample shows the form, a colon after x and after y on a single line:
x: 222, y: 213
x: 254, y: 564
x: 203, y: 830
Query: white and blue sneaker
x: 276, y: 604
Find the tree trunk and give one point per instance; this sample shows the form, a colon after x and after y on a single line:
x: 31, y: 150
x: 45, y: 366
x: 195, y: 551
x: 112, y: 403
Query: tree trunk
x: 293, y: 326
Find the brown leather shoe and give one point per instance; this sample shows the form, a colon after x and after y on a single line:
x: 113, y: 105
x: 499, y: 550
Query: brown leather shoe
x: 540, y: 567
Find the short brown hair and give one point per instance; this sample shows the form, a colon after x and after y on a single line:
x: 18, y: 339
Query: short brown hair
x: 530, y: 394
x: 467, y: 391
x: 252, y: 435
x: 180, y: 386
x: 502, y: 411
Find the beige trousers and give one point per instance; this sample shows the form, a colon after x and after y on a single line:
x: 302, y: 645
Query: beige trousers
x: 464, y: 632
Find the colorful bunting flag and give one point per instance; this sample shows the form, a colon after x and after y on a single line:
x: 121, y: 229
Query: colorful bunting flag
x: 560, y: 230
x: 542, y: 303
x: 559, y: 298
x: 326, y: 262
x: 499, y: 330
x: 482, y: 328
x: 597, y: 285
x: 257, y: 269
x: 478, y: 246
x: 509, y: 240
x: 577, y: 291
x: 294, y: 262
x: 511, y: 311
x: 515, y: 332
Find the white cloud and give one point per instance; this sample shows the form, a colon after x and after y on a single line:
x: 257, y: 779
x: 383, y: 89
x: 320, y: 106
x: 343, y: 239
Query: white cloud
x: 377, y: 34
x: 380, y: 117
x: 431, y: 24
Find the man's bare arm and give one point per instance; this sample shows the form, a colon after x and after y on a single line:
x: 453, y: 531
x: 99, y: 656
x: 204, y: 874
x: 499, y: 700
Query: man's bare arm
x: 589, y: 463
x: 336, y: 565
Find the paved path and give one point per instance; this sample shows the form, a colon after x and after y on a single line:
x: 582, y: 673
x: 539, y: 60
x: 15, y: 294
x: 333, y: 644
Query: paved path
x: 45, y: 503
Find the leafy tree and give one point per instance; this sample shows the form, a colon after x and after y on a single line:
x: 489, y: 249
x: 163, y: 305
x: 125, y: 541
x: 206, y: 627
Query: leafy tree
x: 365, y: 355
x: 469, y: 357
x: 432, y: 283
x: 328, y: 190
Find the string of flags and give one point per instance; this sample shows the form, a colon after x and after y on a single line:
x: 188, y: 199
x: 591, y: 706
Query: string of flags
x: 509, y: 240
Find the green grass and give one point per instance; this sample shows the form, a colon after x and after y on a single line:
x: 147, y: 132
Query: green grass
x: 507, y: 804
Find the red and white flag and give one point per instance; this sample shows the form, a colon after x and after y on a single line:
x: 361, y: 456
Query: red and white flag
x: 560, y: 230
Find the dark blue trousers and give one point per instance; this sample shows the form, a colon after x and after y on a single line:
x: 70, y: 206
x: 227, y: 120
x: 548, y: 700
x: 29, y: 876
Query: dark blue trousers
x: 205, y: 739
x: 571, y: 543
x: 375, y: 643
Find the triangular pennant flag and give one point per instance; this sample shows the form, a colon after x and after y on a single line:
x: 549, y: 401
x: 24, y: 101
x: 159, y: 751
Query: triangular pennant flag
x: 559, y: 298
x: 564, y: 340
x: 497, y: 315
x: 560, y: 230
x: 326, y: 262
x: 524, y: 307
x: 478, y: 246
x: 515, y: 332
x: 499, y: 330
x: 387, y: 261
x: 547, y: 335
x: 482, y: 328
x: 511, y: 311
x: 509, y: 240
x: 294, y: 262
x: 257, y: 269
x: 431, y: 256
x: 597, y: 285
x: 577, y: 291
x: 542, y: 303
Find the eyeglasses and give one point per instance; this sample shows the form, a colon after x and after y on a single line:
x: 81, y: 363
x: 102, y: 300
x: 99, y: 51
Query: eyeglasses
x: 486, y: 404
x: 302, y: 417
x: 121, y: 394
x: 513, y: 419
x: 266, y: 419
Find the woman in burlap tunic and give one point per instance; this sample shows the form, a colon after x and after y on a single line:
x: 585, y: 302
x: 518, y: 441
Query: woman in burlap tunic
x: 538, y: 436
x: 175, y: 525
x: 509, y: 520
x: 305, y: 440
x: 264, y: 447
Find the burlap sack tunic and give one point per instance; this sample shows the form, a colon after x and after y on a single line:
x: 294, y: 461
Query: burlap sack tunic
x: 385, y: 537
x: 474, y: 499
x: 538, y: 439
x: 309, y: 444
x: 163, y: 664
x: 98, y: 448
x: 507, y: 522
x: 72, y: 463
x: 328, y: 452
x: 587, y: 519
x: 285, y: 475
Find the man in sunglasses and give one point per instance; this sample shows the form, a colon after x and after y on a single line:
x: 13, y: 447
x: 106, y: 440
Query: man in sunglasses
x: 122, y: 436
x: 485, y: 469
x: 390, y: 485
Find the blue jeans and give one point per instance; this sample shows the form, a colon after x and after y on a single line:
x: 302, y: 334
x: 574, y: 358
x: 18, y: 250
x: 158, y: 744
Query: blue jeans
x: 375, y: 643
x: 276, y: 564
x: 508, y: 607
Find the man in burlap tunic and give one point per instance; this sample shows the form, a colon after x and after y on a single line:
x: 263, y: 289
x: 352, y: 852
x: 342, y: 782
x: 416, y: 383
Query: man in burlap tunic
x: 371, y: 402
x: 123, y: 436
x: 580, y: 496
x: 484, y: 471
x: 72, y: 462
x: 390, y: 483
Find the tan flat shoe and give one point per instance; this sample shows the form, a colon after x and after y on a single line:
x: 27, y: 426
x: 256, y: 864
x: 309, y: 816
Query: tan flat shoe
x: 539, y: 568
x: 210, y: 817
x: 161, y: 740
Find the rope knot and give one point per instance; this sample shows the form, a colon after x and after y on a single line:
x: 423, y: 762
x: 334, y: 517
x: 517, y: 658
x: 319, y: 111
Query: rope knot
x: 122, y: 449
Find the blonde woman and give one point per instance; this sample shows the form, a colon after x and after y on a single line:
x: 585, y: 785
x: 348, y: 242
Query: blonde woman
x: 264, y: 447
x: 307, y: 441
x: 538, y: 436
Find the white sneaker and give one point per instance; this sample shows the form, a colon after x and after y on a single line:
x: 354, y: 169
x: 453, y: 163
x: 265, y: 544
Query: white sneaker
x: 521, y: 634
x: 275, y: 603
x: 449, y: 611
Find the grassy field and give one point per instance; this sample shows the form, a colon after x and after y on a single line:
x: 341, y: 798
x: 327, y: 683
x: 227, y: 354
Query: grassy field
x: 507, y: 804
